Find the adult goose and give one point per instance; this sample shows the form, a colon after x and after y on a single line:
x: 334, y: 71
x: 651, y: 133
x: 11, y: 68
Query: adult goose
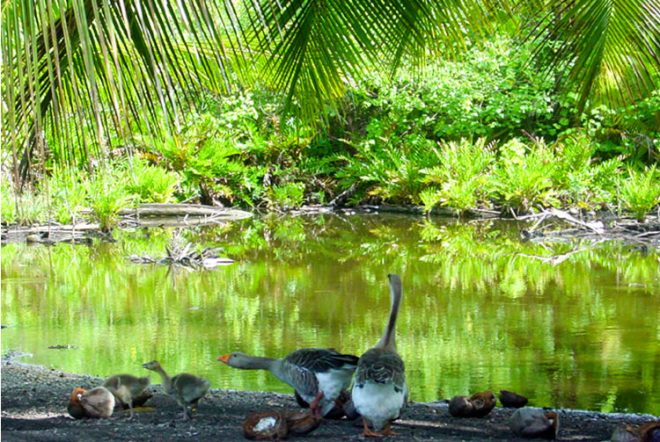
x: 185, y: 388
x: 318, y: 374
x: 379, y: 390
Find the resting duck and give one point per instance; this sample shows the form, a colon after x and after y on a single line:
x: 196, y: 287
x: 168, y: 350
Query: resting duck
x: 379, y: 391
x: 129, y: 390
x: 318, y: 375
x: 185, y: 388
x: 97, y: 402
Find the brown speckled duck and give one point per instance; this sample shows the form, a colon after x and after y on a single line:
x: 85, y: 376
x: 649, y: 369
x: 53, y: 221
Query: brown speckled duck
x: 379, y: 390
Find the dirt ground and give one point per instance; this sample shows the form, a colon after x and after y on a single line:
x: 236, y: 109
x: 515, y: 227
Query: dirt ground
x: 34, y: 401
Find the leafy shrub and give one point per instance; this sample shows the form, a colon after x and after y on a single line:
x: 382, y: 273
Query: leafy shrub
x: 640, y: 192
x: 107, y: 196
x: 69, y: 192
x: 392, y: 168
x: 287, y: 196
x: 7, y: 203
x: 430, y: 198
x: 522, y: 178
x: 462, y: 173
x: 150, y: 184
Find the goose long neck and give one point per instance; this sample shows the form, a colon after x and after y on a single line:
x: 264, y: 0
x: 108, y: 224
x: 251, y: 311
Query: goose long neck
x: 167, y: 381
x: 388, y: 340
x: 260, y: 363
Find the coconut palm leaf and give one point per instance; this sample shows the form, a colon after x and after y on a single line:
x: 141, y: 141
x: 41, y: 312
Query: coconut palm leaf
x: 610, y: 49
x: 81, y: 67
x: 319, y: 46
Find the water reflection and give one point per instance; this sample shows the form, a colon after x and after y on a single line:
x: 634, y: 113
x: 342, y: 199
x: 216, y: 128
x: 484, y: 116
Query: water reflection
x: 478, y: 312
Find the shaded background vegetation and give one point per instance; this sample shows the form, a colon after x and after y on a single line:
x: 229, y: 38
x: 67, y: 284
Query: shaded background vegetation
x: 273, y: 105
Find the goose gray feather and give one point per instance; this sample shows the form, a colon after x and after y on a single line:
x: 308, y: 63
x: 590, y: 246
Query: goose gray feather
x: 317, y: 374
x: 380, y: 391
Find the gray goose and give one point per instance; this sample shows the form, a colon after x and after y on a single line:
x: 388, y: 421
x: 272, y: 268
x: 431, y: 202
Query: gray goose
x: 379, y: 390
x: 318, y: 374
x: 185, y: 388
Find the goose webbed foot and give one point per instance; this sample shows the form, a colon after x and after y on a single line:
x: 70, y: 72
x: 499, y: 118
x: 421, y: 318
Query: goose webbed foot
x: 314, y: 406
x: 387, y: 431
x: 367, y: 431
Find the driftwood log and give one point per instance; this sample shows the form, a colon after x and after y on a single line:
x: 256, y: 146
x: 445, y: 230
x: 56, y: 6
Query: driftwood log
x: 145, y: 215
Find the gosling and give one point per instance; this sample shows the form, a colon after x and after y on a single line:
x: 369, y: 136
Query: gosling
x: 185, y: 388
x: 128, y: 390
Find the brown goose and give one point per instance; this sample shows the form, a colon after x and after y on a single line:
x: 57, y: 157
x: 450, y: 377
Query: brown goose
x: 128, y: 389
x: 318, y: 374
x: 185, y: 388
x: 379, y: 390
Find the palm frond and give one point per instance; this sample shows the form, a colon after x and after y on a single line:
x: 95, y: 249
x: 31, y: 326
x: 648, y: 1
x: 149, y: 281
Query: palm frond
x: 610, y: 49
x: 84, y: 68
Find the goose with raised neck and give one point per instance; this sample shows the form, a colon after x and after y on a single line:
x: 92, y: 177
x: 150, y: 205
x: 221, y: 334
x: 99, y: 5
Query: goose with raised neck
x: 317, y: 374
x: 185, y: 388
x: 379, y: 390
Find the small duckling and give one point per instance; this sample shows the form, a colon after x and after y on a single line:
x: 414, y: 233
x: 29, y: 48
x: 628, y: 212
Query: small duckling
x: 129, y: 390
x: 477, y: 405
x: 533, y: 422
x: 185, y: 388
x: 97, y: 403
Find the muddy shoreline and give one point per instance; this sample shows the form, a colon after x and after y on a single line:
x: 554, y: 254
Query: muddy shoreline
x: 34, y: 409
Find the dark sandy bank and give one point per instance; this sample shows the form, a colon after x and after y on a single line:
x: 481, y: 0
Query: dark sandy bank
x: 34, y: 403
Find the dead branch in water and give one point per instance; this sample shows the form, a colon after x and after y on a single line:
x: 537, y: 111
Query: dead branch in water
x: 644, y: 234
x: 179, y: 252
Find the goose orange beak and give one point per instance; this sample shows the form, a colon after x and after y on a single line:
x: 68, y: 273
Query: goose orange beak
x: 224, y: 358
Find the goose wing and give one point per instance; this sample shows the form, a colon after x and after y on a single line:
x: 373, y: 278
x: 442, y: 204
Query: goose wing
x: 321, y: 360
x: 381, y: 367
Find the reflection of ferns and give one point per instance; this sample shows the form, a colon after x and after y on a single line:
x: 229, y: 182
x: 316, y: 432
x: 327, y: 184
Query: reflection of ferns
x: 318, y: 281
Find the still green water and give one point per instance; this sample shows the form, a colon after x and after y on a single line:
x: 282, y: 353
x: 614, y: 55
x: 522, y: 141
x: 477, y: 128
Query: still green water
x: 478, y: 312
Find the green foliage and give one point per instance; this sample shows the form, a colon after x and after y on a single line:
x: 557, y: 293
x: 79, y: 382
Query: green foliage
x: 7, y: 203
x: 640, y: 192
x: 488, y: 93
x: 391, y: 167
x: 286, y: 196
x: 69, y: 194
x: 150, y: 184
x: 522, y: 178
x: 462, y: 173
x: 107, y: 196
x: 579, y: 181
x: 430, y: 198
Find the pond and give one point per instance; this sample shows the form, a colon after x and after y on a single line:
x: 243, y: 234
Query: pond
x: 480, y: 310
